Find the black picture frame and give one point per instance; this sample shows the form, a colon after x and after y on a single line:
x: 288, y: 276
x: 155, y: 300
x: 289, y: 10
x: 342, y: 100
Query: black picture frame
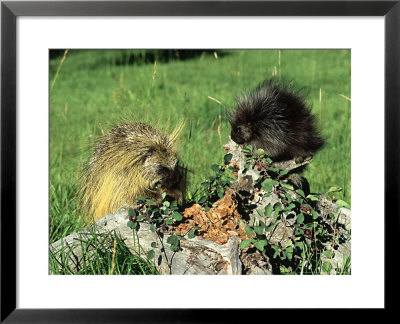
x: 10, y: 10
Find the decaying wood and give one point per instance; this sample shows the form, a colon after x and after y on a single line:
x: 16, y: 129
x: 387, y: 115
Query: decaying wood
x: 215, y: 249
x: 197, y: 256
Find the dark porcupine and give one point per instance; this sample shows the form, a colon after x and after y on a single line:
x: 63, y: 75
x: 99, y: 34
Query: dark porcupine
x: 277, y: 119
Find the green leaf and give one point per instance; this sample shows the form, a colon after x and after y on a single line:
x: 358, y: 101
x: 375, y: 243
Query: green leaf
x: 314, y: 214
x: 271, y: 181
x: 287, y: 186
x: 290, y: 207
x: 174, y: 248
x: 273, y: 169
x: 259, y: 212
x: 283, y: 172
x: 259, y: 230
x: 202, y: 200
x: 328, y: 253
x: 228, y: 158
x: 131, y: 212
x: 150, y: 202
x: 181, y: 238
x: 267, y: 186
x: 268, y: 210
x: 163, y: 195
x: 270, y: 228
x: 245, y: 244
x: 335, y: 189
x: 177, y: 216
x: 173, y: 240
x: 342, y: 203
x: 249, y: 147
x: 132, y: 225
x: 327, y: 267
x: 261, y: 244
x: 152, y: 228
x: 153, y: 244
x: 215, y: 167
x: 166, y: 203
x: 191, y: 233
x: 150, y: 255
x: 289, y: 245
x: 300, y: 218
x: 277, y: 208
x: 249, y: 230
x: 300, y: 192
x: 139, y: 218
x: 312, y: 197
x: 276, y: 249
x: 309, y: 226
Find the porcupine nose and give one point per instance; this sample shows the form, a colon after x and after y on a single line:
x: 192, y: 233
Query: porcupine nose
x: 171, y: 178
x: 174, y: 178
x: 237, y: 139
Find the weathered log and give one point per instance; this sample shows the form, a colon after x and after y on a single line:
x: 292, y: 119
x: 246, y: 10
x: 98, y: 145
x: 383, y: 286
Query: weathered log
x: 221, y: 229
x: 197, y: 256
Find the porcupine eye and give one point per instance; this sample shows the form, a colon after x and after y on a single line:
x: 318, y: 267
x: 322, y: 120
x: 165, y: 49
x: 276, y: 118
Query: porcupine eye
x: 149, y: 155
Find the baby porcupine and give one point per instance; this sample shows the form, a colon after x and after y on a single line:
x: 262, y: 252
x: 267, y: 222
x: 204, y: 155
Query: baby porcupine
x: 277, y: 119
x: 129, y: 162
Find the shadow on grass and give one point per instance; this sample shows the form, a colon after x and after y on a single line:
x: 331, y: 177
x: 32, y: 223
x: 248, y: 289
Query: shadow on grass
x: 138, y: 57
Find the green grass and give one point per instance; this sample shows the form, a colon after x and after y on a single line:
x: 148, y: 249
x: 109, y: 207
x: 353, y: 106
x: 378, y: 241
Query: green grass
x: 95, y: 89
x: 101, y: 254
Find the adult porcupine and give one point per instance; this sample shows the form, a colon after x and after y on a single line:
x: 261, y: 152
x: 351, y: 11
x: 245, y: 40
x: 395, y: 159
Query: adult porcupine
x: 277, y: 119
x: 131, y: 161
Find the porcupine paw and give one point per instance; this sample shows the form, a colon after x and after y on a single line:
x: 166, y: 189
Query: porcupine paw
x: 300, y: 182
x: 304, y: 158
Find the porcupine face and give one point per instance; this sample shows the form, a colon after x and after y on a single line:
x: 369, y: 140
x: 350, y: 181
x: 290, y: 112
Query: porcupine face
x: 241, y: 133
x: 170, y: 178
x: 163, y: 169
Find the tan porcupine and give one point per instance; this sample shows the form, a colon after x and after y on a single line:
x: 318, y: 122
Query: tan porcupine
x: 129, y: 162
